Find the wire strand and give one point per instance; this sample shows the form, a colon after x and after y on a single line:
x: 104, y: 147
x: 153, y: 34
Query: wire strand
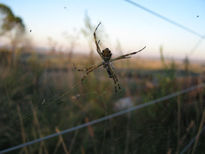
x: 165, y: 19
x: 198, y: 43
x: 105, y: 118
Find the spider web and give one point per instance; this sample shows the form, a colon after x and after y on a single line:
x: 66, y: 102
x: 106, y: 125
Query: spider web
x: 80, y: 103
x: 38, y: 114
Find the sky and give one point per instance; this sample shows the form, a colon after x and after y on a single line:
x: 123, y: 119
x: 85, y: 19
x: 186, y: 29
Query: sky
x: 122, y: 22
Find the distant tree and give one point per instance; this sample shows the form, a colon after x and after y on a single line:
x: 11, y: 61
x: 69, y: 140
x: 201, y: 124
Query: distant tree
x: 87, y: 31
x: 72, y: 39
x: 186, y: 64
x: 162, y: 58
x: 9, y: 21
x: 11, y: 28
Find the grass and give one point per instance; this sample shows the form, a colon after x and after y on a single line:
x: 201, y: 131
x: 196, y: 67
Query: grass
x: 40, y: 97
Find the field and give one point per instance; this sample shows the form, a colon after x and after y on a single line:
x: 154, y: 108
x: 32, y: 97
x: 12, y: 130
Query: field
x: 42, y: 94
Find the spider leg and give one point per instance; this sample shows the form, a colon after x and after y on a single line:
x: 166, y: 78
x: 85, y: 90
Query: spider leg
x: 90, y: 69
x: 97, y: 42
x: 114, y: 77
x: 126, y: 55
x: 83, y: 69
x: 117, y: 85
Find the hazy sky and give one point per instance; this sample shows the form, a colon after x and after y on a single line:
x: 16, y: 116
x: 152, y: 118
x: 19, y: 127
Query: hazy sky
x: 133, y: 27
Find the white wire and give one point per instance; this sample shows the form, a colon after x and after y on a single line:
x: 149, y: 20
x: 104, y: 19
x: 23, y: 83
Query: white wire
x: 105, y: 118
x: 165, y: 18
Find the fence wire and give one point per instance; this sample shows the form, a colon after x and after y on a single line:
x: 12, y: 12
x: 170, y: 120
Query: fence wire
x: 165, y: 19
x: 105, y: 118
x: 135, y: 107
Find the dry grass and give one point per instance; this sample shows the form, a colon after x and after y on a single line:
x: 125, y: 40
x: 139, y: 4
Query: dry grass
x: 55, y: 102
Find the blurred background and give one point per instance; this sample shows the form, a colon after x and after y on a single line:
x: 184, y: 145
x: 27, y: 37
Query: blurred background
x: 41, y: 93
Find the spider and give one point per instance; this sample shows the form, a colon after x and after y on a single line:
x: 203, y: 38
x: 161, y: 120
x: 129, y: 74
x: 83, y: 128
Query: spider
x: 106, y: 55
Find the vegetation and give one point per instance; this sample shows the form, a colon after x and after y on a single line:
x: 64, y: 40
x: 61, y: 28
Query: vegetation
x: 41, y: 96
x: 37, y: 100
x: 10, y: 21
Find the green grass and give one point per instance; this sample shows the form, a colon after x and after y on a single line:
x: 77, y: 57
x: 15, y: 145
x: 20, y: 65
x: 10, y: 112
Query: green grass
x: 36, y: 103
